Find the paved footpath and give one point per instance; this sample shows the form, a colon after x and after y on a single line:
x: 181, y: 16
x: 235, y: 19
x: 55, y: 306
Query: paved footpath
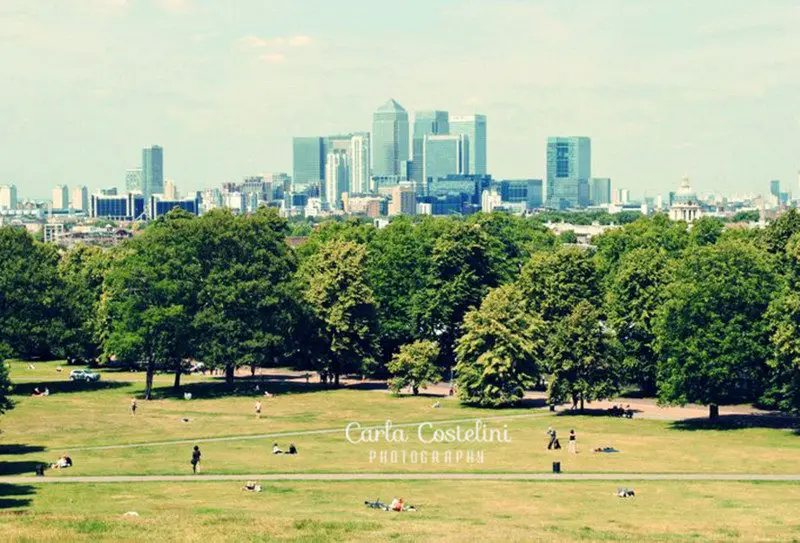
x: 409, y: 477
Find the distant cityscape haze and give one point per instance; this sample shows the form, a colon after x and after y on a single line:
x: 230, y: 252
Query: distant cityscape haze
x: 663, y: 89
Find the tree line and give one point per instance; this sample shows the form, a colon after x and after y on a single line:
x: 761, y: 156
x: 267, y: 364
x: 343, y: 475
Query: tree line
x: 704, y: 314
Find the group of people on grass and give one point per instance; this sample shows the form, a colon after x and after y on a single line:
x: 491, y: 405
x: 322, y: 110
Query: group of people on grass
x: 397, y: 505
x: 38, y: 392
x: 617, y: 410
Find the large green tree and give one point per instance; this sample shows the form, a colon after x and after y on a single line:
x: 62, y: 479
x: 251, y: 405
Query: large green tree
x: 414, y: 366
x: 584, y: 358
x: 31, y: 295
x: 635, y: 292
x: 148, y: 299
x: 712, y: 337
x: 83, y: 269
x: 462, y: 272
x: 244, y: 310
x: 344, y: 306
x: 783, y: 319
x: 501, y: 352
x: 5, y: 380
x: 554, y: 283
x: 657, y: 232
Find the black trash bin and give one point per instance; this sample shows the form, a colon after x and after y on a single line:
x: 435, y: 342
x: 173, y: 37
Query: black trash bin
x: 556, y: 467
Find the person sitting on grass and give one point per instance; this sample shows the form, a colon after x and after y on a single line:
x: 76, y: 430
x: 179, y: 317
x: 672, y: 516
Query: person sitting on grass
x: 437, y: 404
x: 62, y: 463
x: 252, y: 486
x: 292, y: 449
x: 400, y: 506
x: 276, y: 449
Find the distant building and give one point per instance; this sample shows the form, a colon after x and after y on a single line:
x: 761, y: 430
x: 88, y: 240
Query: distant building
x: 569, y: 167
x: 623, y: 197
x: 473, y: 128
x: 390, y: 140
x: 600, y: 190
x: 426, y: 123
x: 467, y: 188
x: 123, y: 207
x: 308, y: 160
x: 775, y: 188
x: 490, y: 200
x: 359, y: 163
x: 528, y: 191
x: 443, y: 156
x: 337, y: 177
x: 110, y: 191
x: 686, y: 206
x: 235, y: 201
x: 403, y: 200
x: 170, y: 190
x: 133, y: 179
x: 161, y: 205
x: 79, y: 199
x: 8, y: 197
x: 61, y: 197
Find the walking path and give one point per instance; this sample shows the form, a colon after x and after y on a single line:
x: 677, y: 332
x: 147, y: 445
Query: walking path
x: 409, y: 477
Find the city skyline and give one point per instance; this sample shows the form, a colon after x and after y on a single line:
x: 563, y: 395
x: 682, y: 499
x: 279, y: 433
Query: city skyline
x: 225, y: 92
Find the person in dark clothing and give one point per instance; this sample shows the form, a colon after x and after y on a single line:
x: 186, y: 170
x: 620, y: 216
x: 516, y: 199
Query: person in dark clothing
x: 553, y: 444
x: 195, y: 459
x: 292, y: 449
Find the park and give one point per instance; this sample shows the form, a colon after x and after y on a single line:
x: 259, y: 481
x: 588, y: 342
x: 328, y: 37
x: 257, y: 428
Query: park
x: 440, y: 379
x: 92, y: 423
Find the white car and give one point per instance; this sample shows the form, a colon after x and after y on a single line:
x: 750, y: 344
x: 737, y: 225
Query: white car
x: 84, y: 375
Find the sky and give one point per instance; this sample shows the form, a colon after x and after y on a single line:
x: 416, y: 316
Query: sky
x: 706, y: 89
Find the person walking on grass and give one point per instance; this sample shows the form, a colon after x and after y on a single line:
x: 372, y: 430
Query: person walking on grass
x: 553, y: 438
x: 258, y: 409
x: 573, y: 444
x: 196, y: 459
x: 133, y: 407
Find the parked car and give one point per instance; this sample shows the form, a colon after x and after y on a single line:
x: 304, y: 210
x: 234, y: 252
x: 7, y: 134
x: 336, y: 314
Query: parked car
x: 84, y: 375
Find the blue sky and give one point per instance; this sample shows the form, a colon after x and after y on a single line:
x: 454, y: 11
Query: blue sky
x: 706, y: 88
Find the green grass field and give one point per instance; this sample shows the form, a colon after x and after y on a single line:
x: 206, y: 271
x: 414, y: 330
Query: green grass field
x: 77, y: 417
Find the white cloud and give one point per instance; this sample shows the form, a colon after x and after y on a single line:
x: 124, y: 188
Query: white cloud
x: 273, y: 58
x: 300, y: 41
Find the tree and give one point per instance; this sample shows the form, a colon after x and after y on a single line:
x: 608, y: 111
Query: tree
x: 783, y: 318
x: 776, y: 236
x: 462, y: 273
x: 706, y: 231
x: 5, y: 380
x: 568, y: 237
x: 584, y: 358
x: 31, y: 295
x: 82, y: 270
x: 554, y: 283
x: 414, y: 366
x: 344, y: 306
x: 711, y: 334
x: 635, y: 292
x: 657, y: 232
x: 398, y: 268
x: 501, y: 353
x: 244, y: 310
x: 149, y: 297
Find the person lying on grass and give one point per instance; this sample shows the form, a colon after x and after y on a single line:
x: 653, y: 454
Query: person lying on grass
x: 62, y: 463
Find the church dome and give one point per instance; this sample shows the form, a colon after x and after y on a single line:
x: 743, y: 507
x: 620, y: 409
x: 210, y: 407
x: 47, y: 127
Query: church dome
x: 685, y: 194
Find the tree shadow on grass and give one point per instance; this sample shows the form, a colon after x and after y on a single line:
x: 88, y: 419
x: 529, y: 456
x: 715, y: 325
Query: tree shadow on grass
x: 593, y: 413
x: 242, y: 386
x: 777, y: 421
x: 16, y: 448
x: 65, y: 387
x: 9, y: 496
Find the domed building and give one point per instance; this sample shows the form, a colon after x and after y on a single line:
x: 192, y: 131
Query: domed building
x: 686, y: 205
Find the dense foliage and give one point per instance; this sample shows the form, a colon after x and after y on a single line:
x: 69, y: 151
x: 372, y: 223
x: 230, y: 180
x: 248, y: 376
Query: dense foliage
x: 707, y: 313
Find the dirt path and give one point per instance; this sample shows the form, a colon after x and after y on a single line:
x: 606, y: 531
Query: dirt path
x: 408, y: 477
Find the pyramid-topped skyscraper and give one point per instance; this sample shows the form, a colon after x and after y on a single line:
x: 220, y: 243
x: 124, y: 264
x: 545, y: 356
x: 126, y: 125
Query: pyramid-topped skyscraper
x: 390, y: 140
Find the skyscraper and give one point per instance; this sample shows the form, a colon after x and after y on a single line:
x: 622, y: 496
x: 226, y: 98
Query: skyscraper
x: 308, y: 161
x: 474, y: 128
x: 390, y: 139
x: 404, y: 200
x: 569, y: 167
x: 61, y: 197
x: 152, y: 171
x: 170, y: 190
x: 775, y: 188
x: 426, y: 123
x: 79, y: 199
x: 443, y: 156
x: 600, y: 190
x: 337, y: 177
x: 133, y: 179
x: 359, y: 164
x: 8, y: 197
